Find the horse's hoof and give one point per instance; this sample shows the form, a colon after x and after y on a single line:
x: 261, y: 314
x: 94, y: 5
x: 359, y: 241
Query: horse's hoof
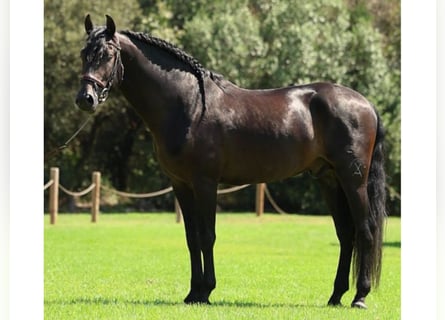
x: 191, y: 299
x: 334, y: 303
x: 207, y: 302
x: 359, y: 305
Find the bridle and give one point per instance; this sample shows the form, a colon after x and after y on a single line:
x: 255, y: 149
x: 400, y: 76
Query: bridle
x: 102, y: 95
x: 102, y: 89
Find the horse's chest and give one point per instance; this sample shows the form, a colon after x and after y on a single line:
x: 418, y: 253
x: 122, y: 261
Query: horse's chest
x: 171, y: 159
x: 182, y: 159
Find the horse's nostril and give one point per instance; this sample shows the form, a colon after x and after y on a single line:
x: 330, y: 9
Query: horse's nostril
x: 85, y: 101
x: 89, y: 98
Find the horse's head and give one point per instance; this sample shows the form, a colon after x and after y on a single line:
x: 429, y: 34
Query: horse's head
x: 101, y: 64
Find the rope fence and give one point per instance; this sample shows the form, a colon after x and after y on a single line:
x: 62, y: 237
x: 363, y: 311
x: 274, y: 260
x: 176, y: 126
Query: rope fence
x: 94, y: 188
x: 139, y: 195
x: 48, y: 184
x: 78, y: 193
x: 232, y: 189
x: 273, y: 202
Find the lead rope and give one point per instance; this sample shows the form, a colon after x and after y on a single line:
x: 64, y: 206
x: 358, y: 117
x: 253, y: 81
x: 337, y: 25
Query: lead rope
x: 55, y: 151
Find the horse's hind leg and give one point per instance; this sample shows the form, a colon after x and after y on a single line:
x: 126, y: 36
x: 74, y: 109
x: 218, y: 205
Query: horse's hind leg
x: 338, y: 205
x: 355, y: 189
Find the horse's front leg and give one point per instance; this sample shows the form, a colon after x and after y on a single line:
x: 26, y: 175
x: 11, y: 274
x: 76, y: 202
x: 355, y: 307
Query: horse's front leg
x: 186, y: 200
x: 206, y: 193
x: 206, y: 199
x: 198, y: 209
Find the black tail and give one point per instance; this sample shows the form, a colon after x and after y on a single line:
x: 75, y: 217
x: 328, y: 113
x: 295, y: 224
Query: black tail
x: 377, y: 206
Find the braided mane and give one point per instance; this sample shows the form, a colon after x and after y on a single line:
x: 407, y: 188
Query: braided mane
x: 197, y: 69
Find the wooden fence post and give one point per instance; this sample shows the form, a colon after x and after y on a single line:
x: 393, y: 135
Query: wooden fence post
x: 259, y: 202
x: 178, y: 211
x: 54, y: 195
x: 95, y: 196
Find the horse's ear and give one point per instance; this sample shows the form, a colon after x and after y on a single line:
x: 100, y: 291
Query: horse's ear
x: 88, y: 24
x: 111, y: 27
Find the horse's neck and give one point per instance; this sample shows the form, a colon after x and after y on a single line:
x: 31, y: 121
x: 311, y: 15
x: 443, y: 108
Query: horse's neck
x: 153, y: 85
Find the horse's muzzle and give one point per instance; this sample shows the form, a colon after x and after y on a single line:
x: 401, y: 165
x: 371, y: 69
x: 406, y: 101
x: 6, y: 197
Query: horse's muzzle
x: 87, y: 101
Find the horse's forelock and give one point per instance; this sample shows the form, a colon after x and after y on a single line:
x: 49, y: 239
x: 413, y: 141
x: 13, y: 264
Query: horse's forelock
x: 95, y: 44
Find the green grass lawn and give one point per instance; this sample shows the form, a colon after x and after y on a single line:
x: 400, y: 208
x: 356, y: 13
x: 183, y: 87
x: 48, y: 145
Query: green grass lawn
x: 136, y: 266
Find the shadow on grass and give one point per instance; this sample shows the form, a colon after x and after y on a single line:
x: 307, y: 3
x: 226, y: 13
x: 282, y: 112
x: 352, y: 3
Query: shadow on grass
x: 158, y: 302
x: 393, y: 244
x: 110, y: 301
x: 390, y: 244
x: 235, y: 304
x: 249, y: 304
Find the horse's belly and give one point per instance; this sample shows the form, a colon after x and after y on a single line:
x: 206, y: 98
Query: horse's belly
x: 265, y: 162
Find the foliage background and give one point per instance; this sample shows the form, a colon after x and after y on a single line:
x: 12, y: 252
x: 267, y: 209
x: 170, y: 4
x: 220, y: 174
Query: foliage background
x: 254, y: 43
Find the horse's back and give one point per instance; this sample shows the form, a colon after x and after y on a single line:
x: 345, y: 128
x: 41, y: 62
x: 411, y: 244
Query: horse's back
x: 267, y: 135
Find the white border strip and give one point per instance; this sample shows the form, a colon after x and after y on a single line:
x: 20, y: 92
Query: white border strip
x: 26, y: 164
x: 419, y: 267
x: 4, y: 160
x: 440, y: 159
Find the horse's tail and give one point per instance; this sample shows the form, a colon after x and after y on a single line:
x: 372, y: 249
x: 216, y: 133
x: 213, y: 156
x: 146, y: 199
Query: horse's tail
x: 377, y: 206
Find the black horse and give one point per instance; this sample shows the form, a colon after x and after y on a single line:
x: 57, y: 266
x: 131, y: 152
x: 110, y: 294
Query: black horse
x: 207, y: 130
